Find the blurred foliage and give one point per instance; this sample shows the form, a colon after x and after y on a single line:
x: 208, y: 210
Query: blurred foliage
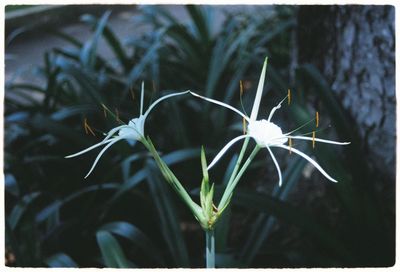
x: 10, y: 8
x: 124, y: 214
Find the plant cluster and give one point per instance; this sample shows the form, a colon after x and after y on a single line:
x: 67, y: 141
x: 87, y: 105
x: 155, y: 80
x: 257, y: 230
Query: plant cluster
x: 124, y: 214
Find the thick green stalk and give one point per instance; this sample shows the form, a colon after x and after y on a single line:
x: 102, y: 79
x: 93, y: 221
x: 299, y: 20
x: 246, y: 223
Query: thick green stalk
x: 210, y: 248
x: 173, y: 181
x: 229, y: 189
x: 234, y: 172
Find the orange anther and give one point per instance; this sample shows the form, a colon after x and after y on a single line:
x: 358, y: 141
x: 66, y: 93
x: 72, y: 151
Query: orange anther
x: 316, y: 118
x: 289, y: 95
x: 313, y: 139
x: 87, y: 127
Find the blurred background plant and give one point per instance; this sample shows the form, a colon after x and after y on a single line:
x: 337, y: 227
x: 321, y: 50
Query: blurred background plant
x: 124, y: 214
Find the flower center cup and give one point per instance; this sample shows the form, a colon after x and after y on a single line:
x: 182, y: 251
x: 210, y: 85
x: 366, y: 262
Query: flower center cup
x: 266, y: 133
x: 134, y: 131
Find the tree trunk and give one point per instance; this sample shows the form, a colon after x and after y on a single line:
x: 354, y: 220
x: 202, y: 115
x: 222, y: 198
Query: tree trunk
x: 353, y: 46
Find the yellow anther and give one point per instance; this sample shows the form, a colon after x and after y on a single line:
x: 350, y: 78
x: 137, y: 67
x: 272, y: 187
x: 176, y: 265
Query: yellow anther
x: 313, y: 139
x: 289, y: 96
x: 290, y: 145
x: 87, y: 127
x: 244, y: 126
x: 241, y: 88
x: 316, y: 118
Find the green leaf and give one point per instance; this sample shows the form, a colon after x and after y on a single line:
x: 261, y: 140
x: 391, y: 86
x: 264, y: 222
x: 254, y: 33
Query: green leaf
x: 111, y: 252
x: 136, y: 236
x: 19, y: 209
x: 223, y: 225
x: 169, y: 219
x: 89, y: 50
x: 201, y: 21
x: 11, y: 185
x: 292, y: 215
x: 60, y: 260
x: 204, y: 165
x: 263, y: 224
x: 111, y: 39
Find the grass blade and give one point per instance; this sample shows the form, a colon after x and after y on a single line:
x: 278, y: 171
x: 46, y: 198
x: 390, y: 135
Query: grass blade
x: 111, y: 252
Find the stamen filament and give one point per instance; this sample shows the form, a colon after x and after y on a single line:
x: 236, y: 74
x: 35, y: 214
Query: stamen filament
x: 104, y: 112
x: 300, y: 127
x: 112, y: 114
x: 117, y: 115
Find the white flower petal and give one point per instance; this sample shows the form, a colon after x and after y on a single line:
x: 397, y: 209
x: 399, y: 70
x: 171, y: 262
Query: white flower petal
x: 88, y: 149
x: 223, y: 150
x: 308, y: 159
x: 101, y: 154
x: 260, y: 88
x: 113, y: 131
x: 277, y: 165
x: 141, y: 99
x: 318, y: 140
x: 161, y: 99
x: 221, y: 104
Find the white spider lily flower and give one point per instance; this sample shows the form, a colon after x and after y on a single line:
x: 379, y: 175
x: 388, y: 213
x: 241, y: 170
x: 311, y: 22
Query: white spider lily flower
x: 133, y: 131
x: 266, y: 133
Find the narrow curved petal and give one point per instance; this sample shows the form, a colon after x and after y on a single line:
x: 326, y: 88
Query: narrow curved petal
x: 318, y: 140
x: 161, y: 99
x: 277, y: 165
x: 275, y: 108
x: 260, y: 88
x: 141, y: 98
x: 101, y: 154
x: 223, y: 150
x: 88, y: 149
x: 308, y: 159
x: 221, y: 104
x: 113, y: 131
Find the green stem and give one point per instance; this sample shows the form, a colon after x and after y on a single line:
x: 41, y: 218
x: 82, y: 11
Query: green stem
x: 230, y: 187
x: 210, y: 249
x: 234, y: 172
x: 173, y: 180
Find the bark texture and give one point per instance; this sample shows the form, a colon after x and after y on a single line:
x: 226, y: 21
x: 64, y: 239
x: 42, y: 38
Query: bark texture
x: 354, y: 47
